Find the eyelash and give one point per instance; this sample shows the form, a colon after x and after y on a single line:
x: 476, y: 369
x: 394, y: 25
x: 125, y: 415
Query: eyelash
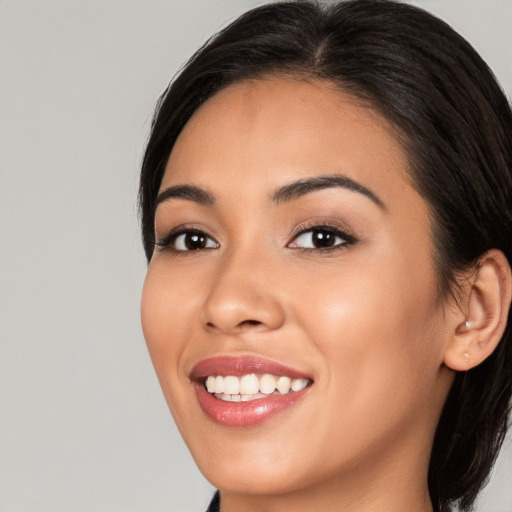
x: 332, y: 229
x: 164, y: 244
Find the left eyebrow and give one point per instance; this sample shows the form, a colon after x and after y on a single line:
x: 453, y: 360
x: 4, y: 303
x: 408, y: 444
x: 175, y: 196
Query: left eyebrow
x: 186, y: 192
x: 299, y: 188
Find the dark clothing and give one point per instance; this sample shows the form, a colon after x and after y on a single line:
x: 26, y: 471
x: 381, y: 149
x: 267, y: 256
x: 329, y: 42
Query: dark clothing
x: 215, y: 503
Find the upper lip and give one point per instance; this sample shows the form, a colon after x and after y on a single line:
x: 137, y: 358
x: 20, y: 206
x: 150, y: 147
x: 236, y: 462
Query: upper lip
x: 243, y: 365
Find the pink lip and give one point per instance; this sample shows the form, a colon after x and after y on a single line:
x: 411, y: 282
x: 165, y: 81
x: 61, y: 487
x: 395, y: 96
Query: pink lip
x: 239, y: 366
x: 243, y: 414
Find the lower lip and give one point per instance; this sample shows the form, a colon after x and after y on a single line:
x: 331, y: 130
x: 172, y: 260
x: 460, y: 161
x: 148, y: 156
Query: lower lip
x: 245, y: 414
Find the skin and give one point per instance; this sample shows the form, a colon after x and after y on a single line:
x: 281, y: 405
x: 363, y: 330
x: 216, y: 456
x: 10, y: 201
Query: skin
x: 364, y: 319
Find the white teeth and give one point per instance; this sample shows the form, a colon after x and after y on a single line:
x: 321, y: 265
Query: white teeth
x: 231, y: 385
x: 219, y: 384
x: 267, y: 384
x: 249, y: 387
x: 249, y: 384
x: 210, y: 384
x: 298, y: 384
x: 283, y: 385
x: 238, y: 398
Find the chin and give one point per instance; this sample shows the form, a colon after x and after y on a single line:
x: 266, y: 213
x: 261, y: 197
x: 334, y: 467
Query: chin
x: 240, y: 478
x: 246, y: 467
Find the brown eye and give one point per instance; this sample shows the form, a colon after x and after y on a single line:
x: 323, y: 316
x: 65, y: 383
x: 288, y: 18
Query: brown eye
x: 321, y: 238
x: 192, y: 241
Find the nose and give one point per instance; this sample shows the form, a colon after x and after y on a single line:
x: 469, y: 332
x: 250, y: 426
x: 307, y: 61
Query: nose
x: 243, y: 297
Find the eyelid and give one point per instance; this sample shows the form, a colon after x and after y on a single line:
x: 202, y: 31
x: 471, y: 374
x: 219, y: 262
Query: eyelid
x: 323, y: 225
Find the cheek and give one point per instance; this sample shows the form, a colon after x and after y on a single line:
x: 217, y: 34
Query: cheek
x: 153, y: 313
x: 162, y: 325
x: 378, y: 330
x: 168, y: 299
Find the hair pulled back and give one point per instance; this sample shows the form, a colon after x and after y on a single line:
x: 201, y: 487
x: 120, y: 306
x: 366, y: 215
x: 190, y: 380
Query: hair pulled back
x: 455, y: 124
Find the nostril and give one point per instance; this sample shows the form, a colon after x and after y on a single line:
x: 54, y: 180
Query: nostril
x: 248, y: 325
x: 243, y: 326
x: 245, y: 323
x: 250, y: 322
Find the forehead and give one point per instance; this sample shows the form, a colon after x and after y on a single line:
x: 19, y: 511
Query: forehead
x: 266, y: 132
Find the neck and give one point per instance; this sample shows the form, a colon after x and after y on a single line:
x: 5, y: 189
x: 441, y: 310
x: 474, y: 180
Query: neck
x: 329, y: 502
x: 394, y: 481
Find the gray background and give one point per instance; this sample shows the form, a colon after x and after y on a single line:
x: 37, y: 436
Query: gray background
x: 83, y: 425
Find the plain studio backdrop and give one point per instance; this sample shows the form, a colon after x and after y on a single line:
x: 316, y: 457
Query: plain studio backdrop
x: 83, y: 424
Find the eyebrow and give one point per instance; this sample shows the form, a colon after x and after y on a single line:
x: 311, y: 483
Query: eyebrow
x: 284, y: 194
x: 305, y: 186
x: 187, y: 192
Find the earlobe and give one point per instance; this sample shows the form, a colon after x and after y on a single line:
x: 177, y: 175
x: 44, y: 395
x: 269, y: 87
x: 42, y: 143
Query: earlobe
x: 485, y: 308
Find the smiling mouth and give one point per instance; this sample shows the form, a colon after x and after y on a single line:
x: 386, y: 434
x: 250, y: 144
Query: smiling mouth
x: 243, y: 391
x: 245, y: 388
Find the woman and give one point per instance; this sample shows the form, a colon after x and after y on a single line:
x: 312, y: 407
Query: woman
x: 326, y: 201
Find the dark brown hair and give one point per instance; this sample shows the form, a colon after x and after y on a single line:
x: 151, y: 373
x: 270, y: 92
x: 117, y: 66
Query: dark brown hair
x: 453, y: 120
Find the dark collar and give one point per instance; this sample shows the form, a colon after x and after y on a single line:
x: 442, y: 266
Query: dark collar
x: 214, y: 505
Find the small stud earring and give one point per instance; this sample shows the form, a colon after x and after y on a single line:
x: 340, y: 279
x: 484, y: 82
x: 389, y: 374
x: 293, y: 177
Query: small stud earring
x: 468, y: 324
x: 466, y: 356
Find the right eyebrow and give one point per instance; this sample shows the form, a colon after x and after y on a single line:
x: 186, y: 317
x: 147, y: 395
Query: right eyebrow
x: 301, y: 187
x: 187, y: 192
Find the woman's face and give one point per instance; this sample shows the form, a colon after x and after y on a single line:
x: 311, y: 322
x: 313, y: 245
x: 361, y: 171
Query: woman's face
x: 292, y: 245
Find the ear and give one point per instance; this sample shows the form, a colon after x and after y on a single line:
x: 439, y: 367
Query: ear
x: 482, y: 317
